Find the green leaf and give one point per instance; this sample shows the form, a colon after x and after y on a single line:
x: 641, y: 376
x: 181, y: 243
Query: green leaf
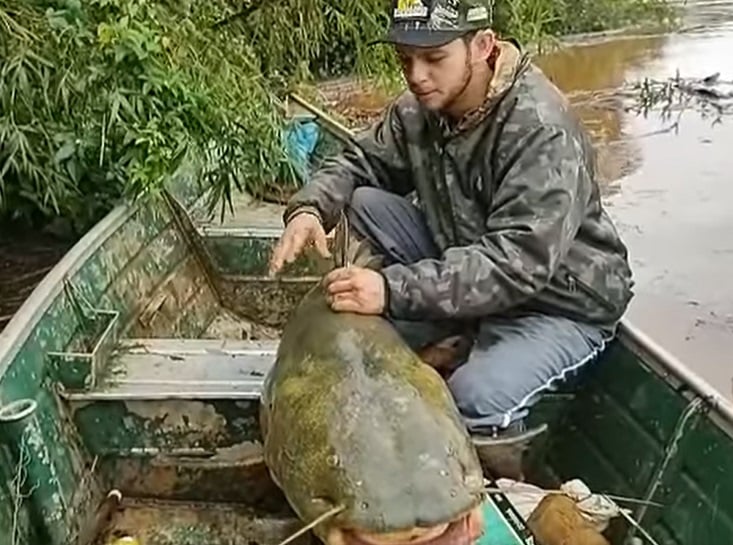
x: 65, y: 151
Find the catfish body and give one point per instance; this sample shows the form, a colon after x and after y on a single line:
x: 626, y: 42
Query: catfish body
x: 352, y: 417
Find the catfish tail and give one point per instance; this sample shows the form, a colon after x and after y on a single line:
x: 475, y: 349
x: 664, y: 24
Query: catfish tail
x: 350, y: 250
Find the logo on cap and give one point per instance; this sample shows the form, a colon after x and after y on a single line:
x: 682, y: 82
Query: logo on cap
x: 477, y: 14
x: 408, y: 9
x: 443, y: 17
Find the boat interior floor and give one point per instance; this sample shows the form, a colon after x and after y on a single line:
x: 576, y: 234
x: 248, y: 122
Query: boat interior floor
x: 151, y: 522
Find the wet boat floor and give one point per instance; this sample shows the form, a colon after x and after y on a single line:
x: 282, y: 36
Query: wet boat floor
x: 151, y: 522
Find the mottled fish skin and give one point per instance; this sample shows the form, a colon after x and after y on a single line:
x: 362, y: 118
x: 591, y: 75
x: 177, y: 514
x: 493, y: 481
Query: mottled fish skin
x: 351, y: 416
x: 510, y: 197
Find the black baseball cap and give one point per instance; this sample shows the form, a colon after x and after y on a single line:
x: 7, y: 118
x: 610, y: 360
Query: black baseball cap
x: 434, y: 23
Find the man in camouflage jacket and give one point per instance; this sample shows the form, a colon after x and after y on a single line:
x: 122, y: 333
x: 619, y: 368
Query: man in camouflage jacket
x: 478, y: 189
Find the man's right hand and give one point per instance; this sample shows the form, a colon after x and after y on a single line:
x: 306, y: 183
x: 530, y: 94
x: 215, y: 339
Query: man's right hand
x: 303, y: 229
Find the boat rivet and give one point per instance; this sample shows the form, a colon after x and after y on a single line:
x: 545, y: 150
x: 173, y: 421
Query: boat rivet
x: 364, y: 505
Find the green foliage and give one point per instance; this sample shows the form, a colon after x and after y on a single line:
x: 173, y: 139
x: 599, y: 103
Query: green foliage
x: 319, y: 38
x: 102, y: 99
x: 536, y: 21
x: 105, y: 100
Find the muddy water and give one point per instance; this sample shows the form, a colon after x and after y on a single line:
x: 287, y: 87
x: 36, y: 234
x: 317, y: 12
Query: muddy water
x: 670, y: 191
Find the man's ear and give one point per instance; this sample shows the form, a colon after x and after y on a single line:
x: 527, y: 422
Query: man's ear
x: 483, y: 44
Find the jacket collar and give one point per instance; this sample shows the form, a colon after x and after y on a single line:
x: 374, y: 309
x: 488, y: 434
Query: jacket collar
x: 509, y: 63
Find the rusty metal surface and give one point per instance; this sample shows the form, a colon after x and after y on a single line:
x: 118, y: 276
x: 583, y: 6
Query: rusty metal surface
x: 166, y: 523
x: 235, y: 474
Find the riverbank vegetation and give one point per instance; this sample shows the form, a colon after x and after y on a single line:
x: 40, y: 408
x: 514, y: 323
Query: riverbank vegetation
x: 102, y: 100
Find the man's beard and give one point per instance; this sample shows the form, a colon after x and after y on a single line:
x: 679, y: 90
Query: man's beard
x: 465, y: 83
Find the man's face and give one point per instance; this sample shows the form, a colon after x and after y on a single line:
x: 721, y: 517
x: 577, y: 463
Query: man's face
x: 437, y: 76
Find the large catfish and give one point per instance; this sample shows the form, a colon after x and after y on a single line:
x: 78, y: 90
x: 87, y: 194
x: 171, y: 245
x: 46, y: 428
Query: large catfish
x: 355, y: 424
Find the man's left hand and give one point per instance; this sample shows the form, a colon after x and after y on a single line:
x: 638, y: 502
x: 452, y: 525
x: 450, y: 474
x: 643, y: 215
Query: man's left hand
x: 355, y: 289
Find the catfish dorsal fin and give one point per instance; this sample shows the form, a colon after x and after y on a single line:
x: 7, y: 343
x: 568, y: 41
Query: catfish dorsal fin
x: 350, y: 250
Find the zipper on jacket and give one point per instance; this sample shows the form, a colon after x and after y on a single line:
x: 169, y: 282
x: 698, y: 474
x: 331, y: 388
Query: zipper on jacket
x: 444, y: 192
x: 574, y: 282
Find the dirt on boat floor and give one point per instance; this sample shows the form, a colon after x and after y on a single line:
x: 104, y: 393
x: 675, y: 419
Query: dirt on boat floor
x: 175, y: 523
x: 25, y: 259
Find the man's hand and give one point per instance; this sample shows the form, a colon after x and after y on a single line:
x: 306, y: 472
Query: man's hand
x: 354, y: 289
x: 301, y: 230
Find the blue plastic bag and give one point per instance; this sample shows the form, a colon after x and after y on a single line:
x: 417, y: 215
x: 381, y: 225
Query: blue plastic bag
x: 301, y: 140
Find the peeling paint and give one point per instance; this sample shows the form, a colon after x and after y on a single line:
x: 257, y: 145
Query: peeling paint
x: 121, y: 428
x: 36, y: 469
x: 198, y: 420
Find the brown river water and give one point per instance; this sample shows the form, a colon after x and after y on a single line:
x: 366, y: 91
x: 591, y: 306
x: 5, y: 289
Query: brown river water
x: 670, y: 191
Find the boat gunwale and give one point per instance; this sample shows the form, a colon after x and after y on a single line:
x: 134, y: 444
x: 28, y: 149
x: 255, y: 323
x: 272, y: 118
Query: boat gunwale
x: 27, y: 317
x: 665, y: 365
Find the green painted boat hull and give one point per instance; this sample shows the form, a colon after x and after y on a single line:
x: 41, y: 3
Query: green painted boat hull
x: 123, y: 371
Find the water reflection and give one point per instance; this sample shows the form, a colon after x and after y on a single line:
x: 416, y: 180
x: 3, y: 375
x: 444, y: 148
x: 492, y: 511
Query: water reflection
x: 672, y: 190
x: 583, y: 73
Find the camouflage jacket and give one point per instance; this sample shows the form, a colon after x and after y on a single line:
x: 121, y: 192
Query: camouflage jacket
x: 509, y: 194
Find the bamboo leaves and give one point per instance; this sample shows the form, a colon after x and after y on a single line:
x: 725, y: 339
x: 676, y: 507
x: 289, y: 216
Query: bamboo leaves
x: 101, y: 100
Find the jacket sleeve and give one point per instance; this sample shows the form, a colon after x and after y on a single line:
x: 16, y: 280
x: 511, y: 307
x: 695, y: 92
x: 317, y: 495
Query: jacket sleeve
x: 376, y: 157
x: 543, y: 189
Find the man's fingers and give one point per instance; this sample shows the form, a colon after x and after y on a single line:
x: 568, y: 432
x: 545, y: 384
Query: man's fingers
x: 341, y: 273
x: 345, y: 303
x: 297, y: 241
x: 278, y: 254
x: 341, y: 286
x: 322, y: 244
x: 286, y: 250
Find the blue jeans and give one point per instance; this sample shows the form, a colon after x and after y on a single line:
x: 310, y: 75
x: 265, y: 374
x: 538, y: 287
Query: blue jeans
x: 514, y: 358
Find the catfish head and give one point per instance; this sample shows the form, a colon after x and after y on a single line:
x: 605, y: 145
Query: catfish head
x: 414, y: 485
x: 384, y: 458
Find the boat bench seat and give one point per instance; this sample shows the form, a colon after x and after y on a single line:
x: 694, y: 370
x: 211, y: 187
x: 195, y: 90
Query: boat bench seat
x: 185, y: 369
x: 150, y: 369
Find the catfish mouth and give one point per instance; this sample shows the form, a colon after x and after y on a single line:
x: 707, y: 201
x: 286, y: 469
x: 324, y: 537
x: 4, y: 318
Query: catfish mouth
x: 462, y: 531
